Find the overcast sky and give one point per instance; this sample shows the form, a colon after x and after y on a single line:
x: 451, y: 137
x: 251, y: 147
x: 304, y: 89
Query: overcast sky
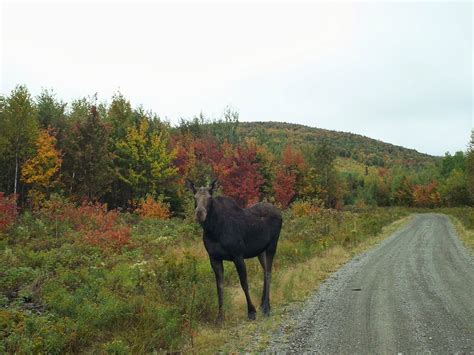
x: 394, y: 71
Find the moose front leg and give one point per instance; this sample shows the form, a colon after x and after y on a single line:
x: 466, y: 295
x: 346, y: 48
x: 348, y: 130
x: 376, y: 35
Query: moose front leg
x: 218, y: 268
x: 242, y: 271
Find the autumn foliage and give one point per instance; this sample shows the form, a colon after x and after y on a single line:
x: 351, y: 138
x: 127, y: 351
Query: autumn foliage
x: 151, y: 208
x: 93, y: 223
x: 8, y: 211
x: 426, y: 195
x: 238, y: 174
x: 288, y: 176
x: 41, y: 171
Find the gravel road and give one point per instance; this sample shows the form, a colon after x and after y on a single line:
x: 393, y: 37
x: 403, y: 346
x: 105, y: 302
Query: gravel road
x: 412, y: 293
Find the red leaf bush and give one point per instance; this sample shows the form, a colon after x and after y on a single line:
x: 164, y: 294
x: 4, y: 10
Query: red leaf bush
x: 8, y: 211
x: 99, y: 226
x: 93, y: 222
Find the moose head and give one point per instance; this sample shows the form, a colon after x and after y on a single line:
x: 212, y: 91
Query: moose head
x: 202, y: 199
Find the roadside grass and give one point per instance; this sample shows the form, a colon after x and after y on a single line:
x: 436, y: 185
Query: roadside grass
x: 463, y: 222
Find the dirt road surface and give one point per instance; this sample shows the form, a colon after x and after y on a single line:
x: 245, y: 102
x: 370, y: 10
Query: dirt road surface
x: 412, y: 293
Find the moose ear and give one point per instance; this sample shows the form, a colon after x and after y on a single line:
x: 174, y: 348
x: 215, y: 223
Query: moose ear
x: 190, y: 186
x: 214, y: 186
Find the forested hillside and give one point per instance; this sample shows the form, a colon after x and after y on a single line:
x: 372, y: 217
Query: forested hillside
x: 362, y: 149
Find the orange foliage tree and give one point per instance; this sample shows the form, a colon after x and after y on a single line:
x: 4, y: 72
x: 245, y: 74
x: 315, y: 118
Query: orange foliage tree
x: 284, y: 187
x: 426, y: 195
x: 289, y: 177
x: 238, y: 173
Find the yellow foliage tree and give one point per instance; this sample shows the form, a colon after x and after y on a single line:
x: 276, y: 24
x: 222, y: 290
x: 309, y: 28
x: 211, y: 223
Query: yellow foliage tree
x: 41, y: 171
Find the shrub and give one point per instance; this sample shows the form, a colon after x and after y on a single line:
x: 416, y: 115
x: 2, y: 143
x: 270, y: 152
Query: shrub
x: 34, y: 334
x: 116, y: 347
x: 13, y: 278
x: 149, y: 207
x: 8, y: 211
x: 305, y: 208
x: 93, y: 222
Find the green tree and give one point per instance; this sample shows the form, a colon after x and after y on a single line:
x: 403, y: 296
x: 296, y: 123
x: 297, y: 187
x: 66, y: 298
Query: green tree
x: 144, y: 162
x: 80, y: 110
x: 87, y: 160
x: 226, y: 129
x: 454, y: 191
x: 322, y: 175
x: 451, y: 162
x: 222, y: 130
x: 51, y: 112
x: 120, y: 115
x: 376, y: 189
x: 19, y: 127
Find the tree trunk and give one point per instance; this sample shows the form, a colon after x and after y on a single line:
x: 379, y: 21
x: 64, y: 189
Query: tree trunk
x: 16, y: 172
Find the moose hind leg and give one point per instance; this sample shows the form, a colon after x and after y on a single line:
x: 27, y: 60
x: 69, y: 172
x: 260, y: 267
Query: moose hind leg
x: 218, y: 268
x: 266, y: 260
x: 264, y: 305
x: 242, y: 271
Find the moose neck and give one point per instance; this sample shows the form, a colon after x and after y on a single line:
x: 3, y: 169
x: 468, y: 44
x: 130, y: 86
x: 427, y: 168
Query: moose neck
x: 212, y: 218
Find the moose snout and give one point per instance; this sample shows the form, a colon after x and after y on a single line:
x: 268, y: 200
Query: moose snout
x: 200, y: 214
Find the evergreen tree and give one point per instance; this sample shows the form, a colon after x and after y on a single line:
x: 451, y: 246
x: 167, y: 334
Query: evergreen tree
x: 87, y: 160
x: 120, y: 115
x: 80, y: 110
x: 51, y: 112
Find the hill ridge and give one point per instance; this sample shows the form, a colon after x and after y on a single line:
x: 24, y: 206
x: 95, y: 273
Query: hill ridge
x: 364, y: 149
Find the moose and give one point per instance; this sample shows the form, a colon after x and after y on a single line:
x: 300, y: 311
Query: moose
x: 233, y: 233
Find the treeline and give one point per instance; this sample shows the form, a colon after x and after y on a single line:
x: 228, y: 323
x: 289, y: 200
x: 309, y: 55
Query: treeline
x: 449, y: 183
x: 131, y: 159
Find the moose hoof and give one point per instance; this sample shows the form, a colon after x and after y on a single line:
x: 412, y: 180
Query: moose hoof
x: 252, y: 315
x: 220, y: 320
x: 266, y: 310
